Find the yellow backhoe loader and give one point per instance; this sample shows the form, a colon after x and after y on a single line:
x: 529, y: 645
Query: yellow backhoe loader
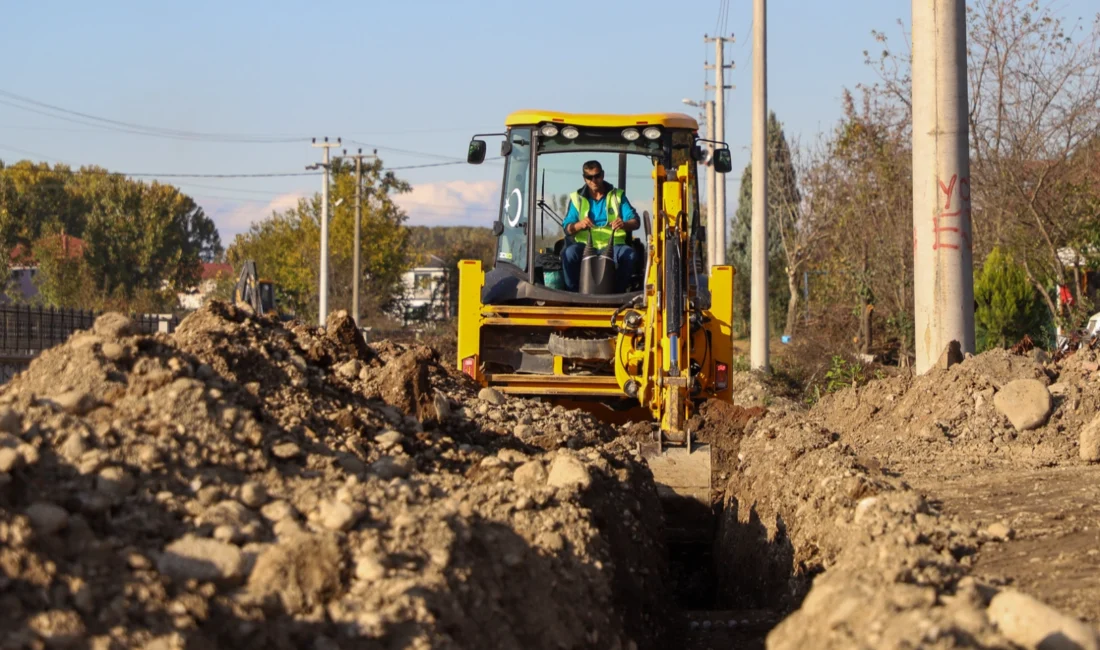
x: 653, y: 352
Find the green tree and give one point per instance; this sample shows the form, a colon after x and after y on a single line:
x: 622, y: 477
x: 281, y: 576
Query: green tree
x: 1007, y: 306
x: 286, y: 245
x: 783, y: 201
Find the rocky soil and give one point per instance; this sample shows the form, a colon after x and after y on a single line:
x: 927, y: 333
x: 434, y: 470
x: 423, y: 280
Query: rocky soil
x: 247, y: 483
x: 945, y: 511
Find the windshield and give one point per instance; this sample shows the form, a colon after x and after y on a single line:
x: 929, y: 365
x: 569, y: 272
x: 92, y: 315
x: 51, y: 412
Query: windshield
x: 559, y: 174
x: 512, y: 244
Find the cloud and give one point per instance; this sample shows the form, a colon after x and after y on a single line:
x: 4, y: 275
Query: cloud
x: 452, y: 203
x: 234, y: 217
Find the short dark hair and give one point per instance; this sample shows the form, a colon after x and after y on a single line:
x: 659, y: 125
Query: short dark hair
x: 593, y: 165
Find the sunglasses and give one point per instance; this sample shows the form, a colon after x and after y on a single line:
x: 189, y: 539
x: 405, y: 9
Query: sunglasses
x: 593, y: 177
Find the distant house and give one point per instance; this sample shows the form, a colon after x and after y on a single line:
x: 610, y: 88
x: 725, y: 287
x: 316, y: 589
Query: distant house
x: 23, y: 267
x: 427, y: 291
x: 211, y: 273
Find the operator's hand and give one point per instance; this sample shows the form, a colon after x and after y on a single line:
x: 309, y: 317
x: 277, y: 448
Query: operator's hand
x: 585, y: 224
x: 617, y: 224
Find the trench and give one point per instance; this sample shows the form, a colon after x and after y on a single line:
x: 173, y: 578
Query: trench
x: 730, y: 586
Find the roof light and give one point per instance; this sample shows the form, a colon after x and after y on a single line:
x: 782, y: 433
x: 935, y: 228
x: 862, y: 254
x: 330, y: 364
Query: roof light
x: 652, y: 132
x: 570, y: 132
x: 630, y: 134
x: 549, y: 130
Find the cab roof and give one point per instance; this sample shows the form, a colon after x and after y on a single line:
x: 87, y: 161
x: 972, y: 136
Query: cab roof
x: 536, y: 116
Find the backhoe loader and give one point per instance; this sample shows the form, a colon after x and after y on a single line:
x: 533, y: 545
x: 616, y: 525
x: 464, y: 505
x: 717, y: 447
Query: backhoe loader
x: 653, y: 352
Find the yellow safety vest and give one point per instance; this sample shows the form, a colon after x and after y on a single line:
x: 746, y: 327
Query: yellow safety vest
x: 614, y: 200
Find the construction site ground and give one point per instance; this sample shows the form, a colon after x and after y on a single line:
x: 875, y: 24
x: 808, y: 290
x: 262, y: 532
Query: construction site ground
x: 248, y: 483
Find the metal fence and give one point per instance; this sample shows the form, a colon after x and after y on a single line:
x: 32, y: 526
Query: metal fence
x: 25, y: 330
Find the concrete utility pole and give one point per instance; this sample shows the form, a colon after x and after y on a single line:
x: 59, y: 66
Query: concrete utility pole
x: 759, y: 315
x: 943, y: 282
x: 355, y: 271
x: 712, y: 228
x: 719, y: 88
x: 322, y: 315
x: 712, y: 193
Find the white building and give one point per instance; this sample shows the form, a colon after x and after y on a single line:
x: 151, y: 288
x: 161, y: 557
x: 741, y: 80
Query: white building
x: 427, y: 295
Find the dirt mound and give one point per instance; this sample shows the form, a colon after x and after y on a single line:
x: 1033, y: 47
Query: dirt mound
x: 912, y: 423
x: 245, y: 483
x: 820, y: 521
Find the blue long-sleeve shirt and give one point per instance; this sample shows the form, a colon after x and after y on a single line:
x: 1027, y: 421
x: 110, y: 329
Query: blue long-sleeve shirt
x: 599, y: 211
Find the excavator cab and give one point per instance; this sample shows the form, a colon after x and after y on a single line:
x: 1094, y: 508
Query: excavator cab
x: 652, y: 352
x: 251, y: 290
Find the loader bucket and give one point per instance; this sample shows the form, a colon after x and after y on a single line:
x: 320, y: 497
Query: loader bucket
x: 683, y: 479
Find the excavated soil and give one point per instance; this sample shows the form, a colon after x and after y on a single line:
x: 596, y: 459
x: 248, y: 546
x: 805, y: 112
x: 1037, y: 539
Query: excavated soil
x: 951, y: 510
x: 249, y: 484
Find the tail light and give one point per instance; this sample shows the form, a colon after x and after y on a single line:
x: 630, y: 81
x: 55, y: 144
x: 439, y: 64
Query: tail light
x: 721, y: 376
x: 469, y: 366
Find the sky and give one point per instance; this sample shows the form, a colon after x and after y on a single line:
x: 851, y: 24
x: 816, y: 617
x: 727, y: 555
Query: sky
x: 413, y: 79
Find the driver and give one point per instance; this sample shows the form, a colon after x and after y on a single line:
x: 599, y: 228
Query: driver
x: 596, y: 205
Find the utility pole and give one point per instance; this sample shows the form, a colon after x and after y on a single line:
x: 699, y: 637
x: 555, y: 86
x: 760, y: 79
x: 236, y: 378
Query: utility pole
x: 712, y: 228
x: 355, y: 270
x: 759, y: 289
x: 719, y: 88
x: 712, y: 193
x: 943, y: 278
x: 323, y: 308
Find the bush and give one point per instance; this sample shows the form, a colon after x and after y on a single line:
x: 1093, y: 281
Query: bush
x: 1007, y: 306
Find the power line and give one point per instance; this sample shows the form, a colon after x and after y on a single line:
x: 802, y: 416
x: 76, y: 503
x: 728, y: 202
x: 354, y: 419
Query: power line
x: 133, y: 127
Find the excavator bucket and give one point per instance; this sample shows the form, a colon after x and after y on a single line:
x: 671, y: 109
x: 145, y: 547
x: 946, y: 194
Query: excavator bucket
x: 683, y: 478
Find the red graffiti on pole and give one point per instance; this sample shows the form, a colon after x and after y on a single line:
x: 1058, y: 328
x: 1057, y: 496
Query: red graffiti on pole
x: 961, y: 215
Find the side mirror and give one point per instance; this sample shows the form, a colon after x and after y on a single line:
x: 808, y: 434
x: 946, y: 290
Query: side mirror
x: 476, y: 153
x: 505, y: 147
x: 723, y: 161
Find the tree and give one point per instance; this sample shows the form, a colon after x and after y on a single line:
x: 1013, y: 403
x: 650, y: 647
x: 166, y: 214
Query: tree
x: 286, y: 245
x: 783, y: 200
x: 1007, y: 306
x: 1034, y: 105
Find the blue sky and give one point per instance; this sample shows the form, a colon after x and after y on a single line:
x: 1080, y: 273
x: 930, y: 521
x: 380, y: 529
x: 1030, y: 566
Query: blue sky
x: 415, y: 76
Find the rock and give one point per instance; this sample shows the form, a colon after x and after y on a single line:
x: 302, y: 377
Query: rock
x: 59, y: 628
x: 226, y: 533
x: 227, y: 513
x: 389, y: 439
x: 1025, y: 402
x: 523, y: 431
x: 864, y: 507
x: 1000, y: 531
x: 277, y: 511
x: 1058, y: 388
x: 253, y: 494
x: 73, y: 448
x: 530, y: 473
x: 442, y: 406
x: 567, y: 470
x: 368, y: 568
x: 113, y: 351
x: 337, y: 515
x: 113, y: 325
x: 491, y: 395
x: 10, y: 421
x: 951, y: 356
x: 286, y: 450
x: 10, y: 459
x: 115, y: 482
x: 1032, y: 624
x: 47, y: 518
x: 1090, y: 441
x: 350, y: 369
x: 205, y: 560
x: 389, y: 467
x: 299, y: 573
x: 550, y: 540
x: 77, y: 402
